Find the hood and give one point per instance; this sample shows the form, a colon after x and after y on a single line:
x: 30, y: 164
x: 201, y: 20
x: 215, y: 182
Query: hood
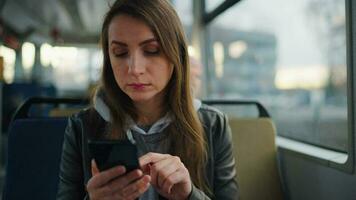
x: 103, y: 110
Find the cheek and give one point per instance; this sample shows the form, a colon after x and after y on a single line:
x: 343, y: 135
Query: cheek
x: 118, y: 70
x: 119, y: 76
x: 170, y: 71
x: 168, y: 75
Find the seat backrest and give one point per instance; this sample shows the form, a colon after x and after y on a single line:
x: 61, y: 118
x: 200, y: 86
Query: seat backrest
x: 63, y: 112
x: 34, y: 152
x: 256, y: 158
x: 15, y: 93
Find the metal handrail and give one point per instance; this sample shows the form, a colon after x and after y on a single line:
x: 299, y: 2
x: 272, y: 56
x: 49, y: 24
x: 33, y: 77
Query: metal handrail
x: 261, y: 109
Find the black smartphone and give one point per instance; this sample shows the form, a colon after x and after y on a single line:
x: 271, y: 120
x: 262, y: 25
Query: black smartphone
x: 111, y: 153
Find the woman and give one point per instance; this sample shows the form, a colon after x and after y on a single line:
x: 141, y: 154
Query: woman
x: 184, y: 147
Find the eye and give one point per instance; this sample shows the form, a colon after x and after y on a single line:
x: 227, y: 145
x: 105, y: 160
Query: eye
x: 152, y: 52
x: 120, y: 53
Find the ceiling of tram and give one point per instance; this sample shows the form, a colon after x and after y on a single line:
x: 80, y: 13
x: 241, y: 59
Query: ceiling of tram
x: 52, y: 21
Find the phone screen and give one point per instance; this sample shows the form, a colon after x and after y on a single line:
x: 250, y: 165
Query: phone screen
x: 111, y: 153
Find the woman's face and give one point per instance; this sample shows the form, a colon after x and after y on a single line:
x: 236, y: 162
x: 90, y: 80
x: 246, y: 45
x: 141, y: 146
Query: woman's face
x: 140, y: 67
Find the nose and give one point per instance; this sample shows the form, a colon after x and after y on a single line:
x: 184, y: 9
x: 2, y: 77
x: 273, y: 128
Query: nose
x: 137, y: 64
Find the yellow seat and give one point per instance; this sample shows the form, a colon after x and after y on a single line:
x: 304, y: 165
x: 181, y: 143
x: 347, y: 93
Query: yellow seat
x: 256, y: 159
x: 63, y: 112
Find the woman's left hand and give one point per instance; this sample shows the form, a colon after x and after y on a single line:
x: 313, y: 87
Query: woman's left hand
x: 168, y: 174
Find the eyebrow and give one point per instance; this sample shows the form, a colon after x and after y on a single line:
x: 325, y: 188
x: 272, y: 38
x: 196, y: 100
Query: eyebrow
x: 140, y: 44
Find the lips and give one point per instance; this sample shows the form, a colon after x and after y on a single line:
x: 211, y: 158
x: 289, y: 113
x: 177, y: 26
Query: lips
x: 138, y: 85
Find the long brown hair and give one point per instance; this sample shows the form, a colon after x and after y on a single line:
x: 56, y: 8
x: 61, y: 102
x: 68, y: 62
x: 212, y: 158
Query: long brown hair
x: 186, y: 132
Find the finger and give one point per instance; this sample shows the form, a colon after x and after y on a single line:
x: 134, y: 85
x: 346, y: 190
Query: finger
x: 136, y: 194
x: 166, y: 167
x: 94, y: 168
x: 116, y: 185
x: 101, y: 193
x: 147, y: 168
x: 125, y: 180
x: 151, y: 158
x: 139, y: 185
x: 140, y: 190
x: 104, y: 177
x: 175, y: 178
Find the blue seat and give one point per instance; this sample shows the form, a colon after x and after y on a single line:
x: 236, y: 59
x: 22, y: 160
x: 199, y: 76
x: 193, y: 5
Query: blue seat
x: 14, y: 94
x: 34, y: 152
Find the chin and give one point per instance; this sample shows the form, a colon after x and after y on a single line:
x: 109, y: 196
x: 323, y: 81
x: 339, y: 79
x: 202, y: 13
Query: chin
x: 140, y: 98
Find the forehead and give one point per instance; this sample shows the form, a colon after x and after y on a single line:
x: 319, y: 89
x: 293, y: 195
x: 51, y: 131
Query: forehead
x: 125, y: 27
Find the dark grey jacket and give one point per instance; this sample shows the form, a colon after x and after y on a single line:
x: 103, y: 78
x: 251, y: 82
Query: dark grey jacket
x: 75, y: 170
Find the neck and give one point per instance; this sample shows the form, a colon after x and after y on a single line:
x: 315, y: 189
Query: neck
x: 149, y: 112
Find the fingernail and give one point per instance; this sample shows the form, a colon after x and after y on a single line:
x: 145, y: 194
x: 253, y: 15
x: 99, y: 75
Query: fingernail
x: 139, y: 172
x: 147, y: 179
x: 122, y: 168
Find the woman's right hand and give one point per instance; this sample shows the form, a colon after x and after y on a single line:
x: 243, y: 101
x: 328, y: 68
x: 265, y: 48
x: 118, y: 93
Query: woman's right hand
x: 115, y: 184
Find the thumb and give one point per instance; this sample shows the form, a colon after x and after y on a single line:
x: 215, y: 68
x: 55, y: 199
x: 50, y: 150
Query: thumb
x: 94, y: 168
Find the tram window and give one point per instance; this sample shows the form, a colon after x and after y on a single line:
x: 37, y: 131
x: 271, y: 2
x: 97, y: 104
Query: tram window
x: 289, y: 55
x: 75, y: 68
x: 9, y: 57
x: 212, y: 4
x: 184, y: 11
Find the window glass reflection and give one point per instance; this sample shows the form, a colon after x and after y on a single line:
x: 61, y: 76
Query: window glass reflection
x: 289, y: 55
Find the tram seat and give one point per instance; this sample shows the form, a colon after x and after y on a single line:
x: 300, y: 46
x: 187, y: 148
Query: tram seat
x: 256, y: 158
x: 255, y: 153
x: 34, y: 152
x: 63, y: 112
x: 14, y: 94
